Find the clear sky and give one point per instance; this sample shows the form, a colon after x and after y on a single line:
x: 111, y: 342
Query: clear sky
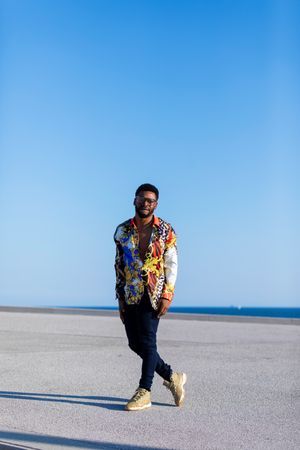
x: 200, y: 98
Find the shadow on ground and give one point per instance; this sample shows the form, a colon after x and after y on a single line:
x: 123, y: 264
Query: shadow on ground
x: 37, y: 439
x: 113, y: 403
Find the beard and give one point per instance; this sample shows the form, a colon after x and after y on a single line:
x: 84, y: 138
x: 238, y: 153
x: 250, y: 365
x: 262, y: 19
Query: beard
x: 143, y: 214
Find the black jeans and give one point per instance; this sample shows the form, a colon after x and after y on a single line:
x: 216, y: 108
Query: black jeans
x: 141, y: 323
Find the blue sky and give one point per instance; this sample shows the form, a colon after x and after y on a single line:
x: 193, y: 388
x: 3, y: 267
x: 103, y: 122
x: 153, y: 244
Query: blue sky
x: 200, y: 98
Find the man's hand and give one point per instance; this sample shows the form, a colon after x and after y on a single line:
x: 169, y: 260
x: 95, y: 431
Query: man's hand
x: 163, y: 307
x: 122, y: 310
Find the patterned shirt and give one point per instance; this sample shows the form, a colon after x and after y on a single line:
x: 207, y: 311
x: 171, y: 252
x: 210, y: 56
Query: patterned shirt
x: 157, y: 272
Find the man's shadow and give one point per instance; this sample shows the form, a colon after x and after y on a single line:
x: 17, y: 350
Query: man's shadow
x: 113, y: 403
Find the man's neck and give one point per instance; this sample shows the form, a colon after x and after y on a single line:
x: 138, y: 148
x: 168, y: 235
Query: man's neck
x: 143, y: 222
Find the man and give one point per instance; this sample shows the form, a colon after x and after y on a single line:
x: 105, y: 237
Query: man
x: 146, y: 270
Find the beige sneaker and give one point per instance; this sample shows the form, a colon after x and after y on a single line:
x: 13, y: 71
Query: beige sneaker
x: 176, y: 384
x: 140, y: 400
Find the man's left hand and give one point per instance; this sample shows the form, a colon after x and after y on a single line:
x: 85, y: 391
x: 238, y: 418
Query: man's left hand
x: 163, y: 307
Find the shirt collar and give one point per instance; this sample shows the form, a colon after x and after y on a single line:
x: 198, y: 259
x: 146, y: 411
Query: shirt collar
x: 155, y: 222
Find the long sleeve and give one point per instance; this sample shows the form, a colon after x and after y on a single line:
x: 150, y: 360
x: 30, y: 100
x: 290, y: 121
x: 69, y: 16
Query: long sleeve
x: 119, y: 269
x: 170, y: 266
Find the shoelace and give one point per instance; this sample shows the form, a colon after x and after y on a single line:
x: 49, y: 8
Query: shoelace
x: 173, y: 387
x: 139, y: 393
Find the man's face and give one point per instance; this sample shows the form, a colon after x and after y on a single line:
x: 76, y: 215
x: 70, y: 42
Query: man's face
x: 145, y: 203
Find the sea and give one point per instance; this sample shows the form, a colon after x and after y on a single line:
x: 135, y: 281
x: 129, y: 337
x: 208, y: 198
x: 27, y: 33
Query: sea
x: 288, y: 312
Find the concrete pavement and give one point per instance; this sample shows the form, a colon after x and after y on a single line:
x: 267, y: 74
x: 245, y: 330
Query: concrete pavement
x: 65, y: 380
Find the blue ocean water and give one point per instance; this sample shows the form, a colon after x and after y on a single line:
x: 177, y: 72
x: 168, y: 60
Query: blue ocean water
x: 223, y: 310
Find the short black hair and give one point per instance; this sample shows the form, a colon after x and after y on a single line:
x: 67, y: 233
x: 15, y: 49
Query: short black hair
x: 147, y: 187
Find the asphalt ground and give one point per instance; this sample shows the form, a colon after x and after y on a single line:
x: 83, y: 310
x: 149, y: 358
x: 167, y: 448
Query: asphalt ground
x: 65, y: 379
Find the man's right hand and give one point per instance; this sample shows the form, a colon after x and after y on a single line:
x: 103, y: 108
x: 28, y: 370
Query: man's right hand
x: 122, y: 311
x: 122, y: 317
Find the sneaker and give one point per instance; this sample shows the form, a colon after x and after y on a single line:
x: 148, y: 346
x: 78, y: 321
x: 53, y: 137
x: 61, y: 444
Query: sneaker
x: 176, y: 384
x: 140, y: 400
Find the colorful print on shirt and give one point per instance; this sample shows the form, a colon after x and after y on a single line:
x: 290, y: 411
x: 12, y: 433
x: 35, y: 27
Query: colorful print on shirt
x: 157, y: 273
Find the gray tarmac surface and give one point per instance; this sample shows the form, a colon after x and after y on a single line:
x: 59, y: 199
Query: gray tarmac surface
x: 66, y: 378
